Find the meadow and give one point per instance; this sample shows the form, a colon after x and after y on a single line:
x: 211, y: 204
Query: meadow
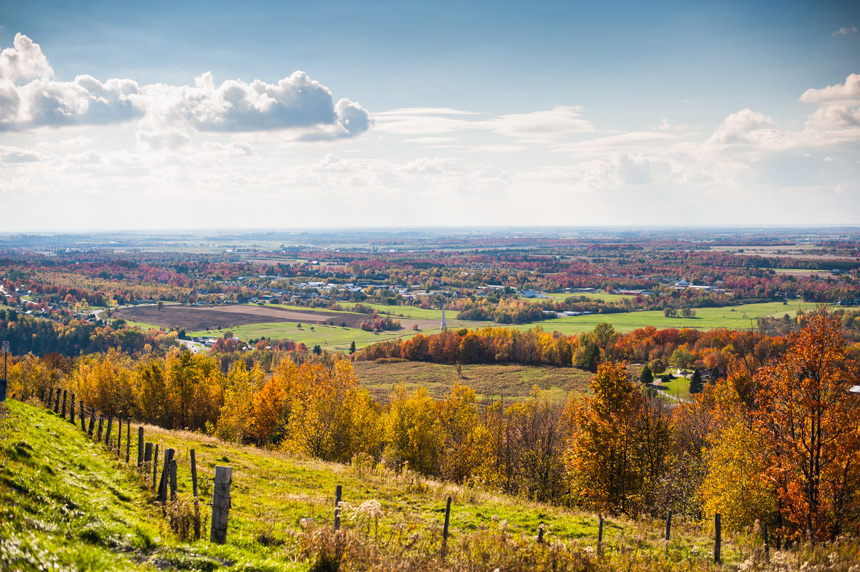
x: 69, y: 504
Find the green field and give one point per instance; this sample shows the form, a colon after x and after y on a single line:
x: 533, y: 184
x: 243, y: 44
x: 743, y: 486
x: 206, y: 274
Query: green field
x: 68, y: 504
x: 490, y: 381
x: 731, y: 317
x: 561, y: 296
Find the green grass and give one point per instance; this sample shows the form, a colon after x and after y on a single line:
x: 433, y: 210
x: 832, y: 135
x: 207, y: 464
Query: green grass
x: 67, y: 504
x: 731, y: 317
x: 490, y: 381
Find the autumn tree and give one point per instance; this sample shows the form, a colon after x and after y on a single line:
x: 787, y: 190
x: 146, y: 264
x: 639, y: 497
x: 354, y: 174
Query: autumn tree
x: 808, y: 419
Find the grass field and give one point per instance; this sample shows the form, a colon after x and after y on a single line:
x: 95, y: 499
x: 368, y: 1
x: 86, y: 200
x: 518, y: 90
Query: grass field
x: 490, y: 381
x: 67, y: 504
x: 731, y: 317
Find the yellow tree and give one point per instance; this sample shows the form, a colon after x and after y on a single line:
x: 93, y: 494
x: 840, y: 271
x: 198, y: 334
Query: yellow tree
x: 413, y: 430
x: 808, y: 419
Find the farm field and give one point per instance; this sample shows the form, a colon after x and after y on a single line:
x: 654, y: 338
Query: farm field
x: 208, y: 317
x: 732, y: 317
x: 490, y: 381
x: 47, y: 464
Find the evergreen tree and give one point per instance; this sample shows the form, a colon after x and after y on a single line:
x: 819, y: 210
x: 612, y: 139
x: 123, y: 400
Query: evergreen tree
x: 317, y: 349
x: 647, y: 376
x: 352, y: 347
x: 696, y: 385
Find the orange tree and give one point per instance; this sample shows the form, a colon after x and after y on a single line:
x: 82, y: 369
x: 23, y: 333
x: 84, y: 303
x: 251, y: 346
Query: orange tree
x: 808, y: 419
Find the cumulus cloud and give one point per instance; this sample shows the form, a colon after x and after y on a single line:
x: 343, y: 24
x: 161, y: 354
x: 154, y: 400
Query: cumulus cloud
x: 296, y: 103
x: 24, y: 60
x: 744, y: 126
x: 848, y: 90
x: 156, y: 141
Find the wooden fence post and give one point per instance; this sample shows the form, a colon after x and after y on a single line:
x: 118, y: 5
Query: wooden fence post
x: 165, y: 475
x: 154, y: 466
x: 117, y: 449
x: 127, y: 440
x: 337, y: 492
x: 107, y: 436
x: 766, y: 541
x: 194, y: 473
x: 668, y: 526
x: 147, y: 458
x: 717, y: 538
x: 101, y: 427
x: 139, y: 447
x: 92, y: 422
x: 83, y: 417
x: 173, y: 479
x: 445, y: 529
x: 64, y: 403
x: 196, y: 501
x: 72, y: 409
x: 220, y: 504
x: 600, y: 536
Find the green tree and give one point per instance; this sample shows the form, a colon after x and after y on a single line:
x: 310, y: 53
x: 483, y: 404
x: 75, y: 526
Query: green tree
x: 352, y: 347
x: 647, y: 377
x: 696, y: 384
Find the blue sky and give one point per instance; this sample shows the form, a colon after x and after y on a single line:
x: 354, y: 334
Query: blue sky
x: 407, y: 113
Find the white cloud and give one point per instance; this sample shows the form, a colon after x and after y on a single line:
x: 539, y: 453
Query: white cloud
x: 843, y: 31
x: 156, y: 141
x: 296, y: 103
x: 848, y: 90
x: 21, y: 155
x: 24, y: 61
x: 541, y: 124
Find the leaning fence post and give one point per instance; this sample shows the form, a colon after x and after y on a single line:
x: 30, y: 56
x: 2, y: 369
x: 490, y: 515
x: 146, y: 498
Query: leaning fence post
x: 220, y: 504
x: 668, y: 525
x: 445, y: 529
x: 337, y: 493
x: 64, y: 403
x: 165, y: 475
x: 139, y: 447
x: 92, y: 422
x: 101, y: 426
x: 72, y: 409
x: 107, y: 436
x: 717, y: 538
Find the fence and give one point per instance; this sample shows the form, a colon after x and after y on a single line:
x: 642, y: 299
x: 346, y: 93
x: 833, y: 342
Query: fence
x: 148, y: 464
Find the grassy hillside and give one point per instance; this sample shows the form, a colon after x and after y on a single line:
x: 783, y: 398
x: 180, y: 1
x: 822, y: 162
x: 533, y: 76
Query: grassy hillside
x: 67, y: 504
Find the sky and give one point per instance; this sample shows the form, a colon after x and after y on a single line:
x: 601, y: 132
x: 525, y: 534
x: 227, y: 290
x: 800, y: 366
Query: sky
x: 300, y: 114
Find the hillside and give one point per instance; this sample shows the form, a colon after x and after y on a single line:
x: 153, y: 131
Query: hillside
x: 67, y: 503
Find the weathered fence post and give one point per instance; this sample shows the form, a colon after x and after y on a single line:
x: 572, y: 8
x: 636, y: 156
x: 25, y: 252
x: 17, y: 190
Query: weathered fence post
x: 718, y: 539
x: 92, y: 422
x: 107, y: 436
x: 83, y: 417
x: 64, y: 403
x: 147, y: 458
x: 196, y: 501
x: 668, y: 526
x: 154, y: 466
x: 540, y: 533
x: 337, y: 492
x: 101, y: 428
x: 445, y: 529
x: 72, y: 409
x: 173, y: 479
x: 766, y: 541
x: 116, y: 450
x: 220, y: 504
x: 194, y: 473
x: 600, y: 536
x: 139, y: 447
x: 165, y: 475
x: 127, y: 440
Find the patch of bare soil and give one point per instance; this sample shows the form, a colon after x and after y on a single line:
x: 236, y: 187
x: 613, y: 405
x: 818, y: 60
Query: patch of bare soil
x: 202, y: 317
